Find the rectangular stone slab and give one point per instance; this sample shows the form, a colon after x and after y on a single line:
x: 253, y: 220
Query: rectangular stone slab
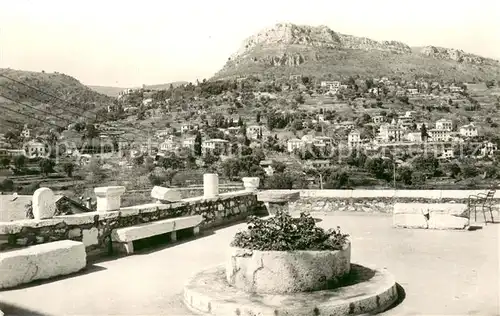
x: 278, y: 197
x: 440, y: 215
x: 128, y: 234
x: 42, y: 261
x: 418, y: 208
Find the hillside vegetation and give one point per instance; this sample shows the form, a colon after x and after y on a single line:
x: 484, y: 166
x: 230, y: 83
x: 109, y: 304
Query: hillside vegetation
x: 50, y: 91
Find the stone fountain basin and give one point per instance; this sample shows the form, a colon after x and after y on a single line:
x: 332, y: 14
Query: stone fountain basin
x: 280, y: 272
x: 366, y: 291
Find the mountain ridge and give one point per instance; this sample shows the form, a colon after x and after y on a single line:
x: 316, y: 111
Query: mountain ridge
x: 291, y: 45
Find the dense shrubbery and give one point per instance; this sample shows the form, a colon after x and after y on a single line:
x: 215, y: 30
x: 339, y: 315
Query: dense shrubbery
x: 285, y: 233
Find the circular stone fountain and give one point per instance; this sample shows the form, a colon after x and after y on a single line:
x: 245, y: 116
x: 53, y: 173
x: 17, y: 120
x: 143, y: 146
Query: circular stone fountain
x: 292, y: 283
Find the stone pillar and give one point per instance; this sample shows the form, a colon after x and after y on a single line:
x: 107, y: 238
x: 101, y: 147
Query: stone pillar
x: 251, y: 184
x: 108, y: 198
x: 210, y: 185
x: 44, y: 204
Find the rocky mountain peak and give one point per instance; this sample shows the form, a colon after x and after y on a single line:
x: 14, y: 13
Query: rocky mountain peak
x: 286, y: 34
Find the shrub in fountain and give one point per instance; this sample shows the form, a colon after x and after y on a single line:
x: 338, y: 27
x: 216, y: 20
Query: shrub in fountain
x: 282, y: 254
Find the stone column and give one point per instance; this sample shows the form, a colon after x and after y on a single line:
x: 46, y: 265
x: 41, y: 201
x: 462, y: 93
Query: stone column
x: 108, y: 198
x: 44, y: 204
x: 251, y: 184
x: 210, y: 185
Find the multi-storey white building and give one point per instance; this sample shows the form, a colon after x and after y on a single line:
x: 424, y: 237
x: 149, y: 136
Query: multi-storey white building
x: 168, y: 145
x: 354, y: 139
x: 34, y: 149
x: 444, y: 124
x: 332, y: 85
x: 220, y: 146
x: 439, y: 135
x: 390, y: 133
x: 189, y: 143
x: 468, y: 130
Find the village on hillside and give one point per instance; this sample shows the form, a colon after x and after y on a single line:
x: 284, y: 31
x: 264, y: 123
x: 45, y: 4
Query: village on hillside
x: 356, y: 132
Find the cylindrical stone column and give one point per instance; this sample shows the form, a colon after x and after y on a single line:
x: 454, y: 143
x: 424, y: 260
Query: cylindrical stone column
x: 210, y: 185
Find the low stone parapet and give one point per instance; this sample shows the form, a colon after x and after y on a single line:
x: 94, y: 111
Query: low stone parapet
x: 275, y: 200
x: 94, y: 228
x: 41, y: 262
x: 430, y: 215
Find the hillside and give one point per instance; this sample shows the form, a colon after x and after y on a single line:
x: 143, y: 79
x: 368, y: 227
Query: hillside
x: 288, y: 49
x: 165, y: 86
x: 51, y: 89
x: 115, y: 91
x: 109, y: 91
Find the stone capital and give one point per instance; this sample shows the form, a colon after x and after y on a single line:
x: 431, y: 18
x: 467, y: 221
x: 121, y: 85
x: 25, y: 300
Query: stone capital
x: 109, y: 191
x: 109, y: 198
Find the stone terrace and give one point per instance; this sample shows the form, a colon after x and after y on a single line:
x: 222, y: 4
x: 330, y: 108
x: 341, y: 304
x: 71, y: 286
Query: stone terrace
x: 442, y: 272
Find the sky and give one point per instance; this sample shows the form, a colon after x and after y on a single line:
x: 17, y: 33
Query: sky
x: 130, y: 43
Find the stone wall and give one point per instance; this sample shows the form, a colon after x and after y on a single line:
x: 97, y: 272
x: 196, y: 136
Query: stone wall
x: 130, y: 198
x: 94, y: 228
x: 375, y: 201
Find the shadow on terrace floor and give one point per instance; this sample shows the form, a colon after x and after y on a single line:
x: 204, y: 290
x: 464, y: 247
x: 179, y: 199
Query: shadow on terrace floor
x: 14, y: 310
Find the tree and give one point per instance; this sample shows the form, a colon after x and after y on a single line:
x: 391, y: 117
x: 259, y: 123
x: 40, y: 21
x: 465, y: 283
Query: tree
x: 169, y: 174
x: 209, y: 159
x: 69, y: 168
x: 404, y: 175
x: 197, y: 144
x: 423, y: 133
x: 11, y: 137
x: 337, y: 180
x: 5, y: 161
x: 299, y: 99
x: 418, y: 177
x: 19, y: 162
x: 454, y: 170
x: 95, y: 172
x: 46, y: 166
x: 91, y: 132
x: 139, y: 160
x: 231, y: 168
x: 7, y: 185
x: 278, y: 166
x: 257, y: 119
x: 280, y: 181
x: 427, y: 165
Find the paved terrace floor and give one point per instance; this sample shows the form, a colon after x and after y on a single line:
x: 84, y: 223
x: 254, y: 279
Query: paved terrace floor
x: 442, y: 272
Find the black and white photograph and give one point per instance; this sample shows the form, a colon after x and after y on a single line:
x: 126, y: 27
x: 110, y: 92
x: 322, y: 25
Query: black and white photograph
x: 263, y: 158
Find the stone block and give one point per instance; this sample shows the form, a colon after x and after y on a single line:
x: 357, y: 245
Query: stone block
x: 165, y: 194
x: 41, y: 262
x: 150, y: 229
x: 444, y: 221
x: 251, y: 184
x: 430, y: 216
x: 90, y: 236
x: 108, y: 198
x: 44, y: 204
